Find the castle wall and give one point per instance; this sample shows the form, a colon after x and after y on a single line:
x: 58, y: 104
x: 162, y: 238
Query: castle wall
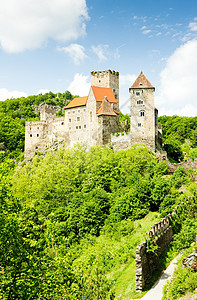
x: 92, y: 120
x: 108, y: 79
x: 161, y: 234
x: 143, y: 117
x: 47, y: 112
x: 107, y: 125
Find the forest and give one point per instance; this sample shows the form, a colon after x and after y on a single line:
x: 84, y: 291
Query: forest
x: 71, y: 220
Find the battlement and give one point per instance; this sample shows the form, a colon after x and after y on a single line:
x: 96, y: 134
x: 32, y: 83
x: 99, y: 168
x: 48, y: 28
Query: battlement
x: 104, y: 73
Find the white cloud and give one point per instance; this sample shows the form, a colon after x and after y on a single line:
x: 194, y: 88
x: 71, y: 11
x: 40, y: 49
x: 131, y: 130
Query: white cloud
x: 143, y: 27
x: 27, y: 24
x: 146, y: 31
x: 43, y: 91
x: 5, y: 94
x: 178, y: 88
x: 193, y: 26
x: 75, y: 51
x: 80, y: 85
x: 101, y: 51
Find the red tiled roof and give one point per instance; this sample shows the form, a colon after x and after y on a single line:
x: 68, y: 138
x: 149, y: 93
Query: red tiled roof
x: 142, y: 82
x: 80, y: 101
x: 105, y: 109
x: 101, y: 92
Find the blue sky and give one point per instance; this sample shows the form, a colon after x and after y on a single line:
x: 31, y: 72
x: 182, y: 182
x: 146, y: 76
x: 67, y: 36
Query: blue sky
x: 53, y: 45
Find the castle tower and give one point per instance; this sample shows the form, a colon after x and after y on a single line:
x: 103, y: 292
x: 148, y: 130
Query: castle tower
x: 108, y: 79
x: 143, y: 113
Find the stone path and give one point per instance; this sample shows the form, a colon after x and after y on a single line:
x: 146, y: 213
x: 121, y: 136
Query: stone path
x: 155, y: 292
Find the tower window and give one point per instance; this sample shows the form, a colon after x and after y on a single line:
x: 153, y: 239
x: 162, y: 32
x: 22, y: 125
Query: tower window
x: 78, y: 119
x: 91, y: 116
x: 137, y: 93
x: 85, y: 126
x: 139, y: 124
x: 30, y: 135
x: 70, y: 120
x: 142, y: 114
x: 62, y: 123
x: 37, y: 135
x: 140, y: 101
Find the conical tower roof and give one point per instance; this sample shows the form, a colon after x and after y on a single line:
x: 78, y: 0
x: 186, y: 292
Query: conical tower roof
x: 142, y: 83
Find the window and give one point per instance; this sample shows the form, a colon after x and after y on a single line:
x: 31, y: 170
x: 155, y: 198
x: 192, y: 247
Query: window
x: 137, y: 93
x: 37, y: 127
x: 62, y: 123
x: 79, y: 111
x: 78, y: 119
x: 140, y: 101
x: 84, y: 126
x: 91, y: 116
x: 73, y: 111
x: 30, y: 135
x: 139, y: 124
x: 37, y: 134
x: 70, y: 120
x: 142, y: 113
x: 76, y: 127
x: 68, y: 112
x: 79, y: 127
x: 69, y: 128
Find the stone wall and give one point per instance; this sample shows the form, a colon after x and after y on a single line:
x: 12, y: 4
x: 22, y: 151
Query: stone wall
x: 186, y: 164
x: 161, y: 234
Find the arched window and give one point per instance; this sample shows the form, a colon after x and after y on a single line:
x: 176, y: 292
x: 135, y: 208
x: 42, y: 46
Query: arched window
x: 142, y: 113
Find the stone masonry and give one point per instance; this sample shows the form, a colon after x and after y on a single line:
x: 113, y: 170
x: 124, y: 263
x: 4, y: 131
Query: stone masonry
x: 147, y: 262
x: 94, y: 119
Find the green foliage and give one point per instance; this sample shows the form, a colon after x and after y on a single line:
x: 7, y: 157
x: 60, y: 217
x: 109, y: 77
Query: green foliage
x: 14, y: 113
x: 73, y: 221
x: 184, y: 281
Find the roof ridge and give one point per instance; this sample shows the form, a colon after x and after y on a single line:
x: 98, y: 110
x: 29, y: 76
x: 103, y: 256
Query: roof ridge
x: 142, y: 82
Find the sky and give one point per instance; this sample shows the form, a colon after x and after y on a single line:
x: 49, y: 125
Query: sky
x: 53, y: 45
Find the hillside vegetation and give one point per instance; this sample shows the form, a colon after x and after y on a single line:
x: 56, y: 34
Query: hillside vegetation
x: 14, y: 113
x: 71, y: 221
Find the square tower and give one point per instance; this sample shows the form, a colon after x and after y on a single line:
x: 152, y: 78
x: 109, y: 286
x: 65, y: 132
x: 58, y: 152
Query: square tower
x: 108, y: 79
x: 143, y: 124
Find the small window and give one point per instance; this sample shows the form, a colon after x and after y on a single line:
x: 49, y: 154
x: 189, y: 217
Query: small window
x: 79, y: 111
x: 36, y: 147
x: 73, y: 111
x: 142, y: 114
x: 78, y: 119
x: 91, y: 116
x: 30, y: 135
x: 76, y: 127
x: 70, y: 120
x: 137, y: 93
x: 37, y: 127
x: 99, y: 80
x: 68, y: 112
x: 84, y: 126
x: 37, y: 134
x: 62, y: 123
x: 140, y: 101
x: 69, y: 128
x: 79, y: 127
x: 139, y: 124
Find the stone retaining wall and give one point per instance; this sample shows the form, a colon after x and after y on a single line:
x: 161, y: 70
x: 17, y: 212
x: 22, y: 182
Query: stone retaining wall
x: 161, y: 234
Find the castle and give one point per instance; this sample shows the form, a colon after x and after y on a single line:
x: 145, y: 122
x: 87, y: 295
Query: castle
x: 94, y: 119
